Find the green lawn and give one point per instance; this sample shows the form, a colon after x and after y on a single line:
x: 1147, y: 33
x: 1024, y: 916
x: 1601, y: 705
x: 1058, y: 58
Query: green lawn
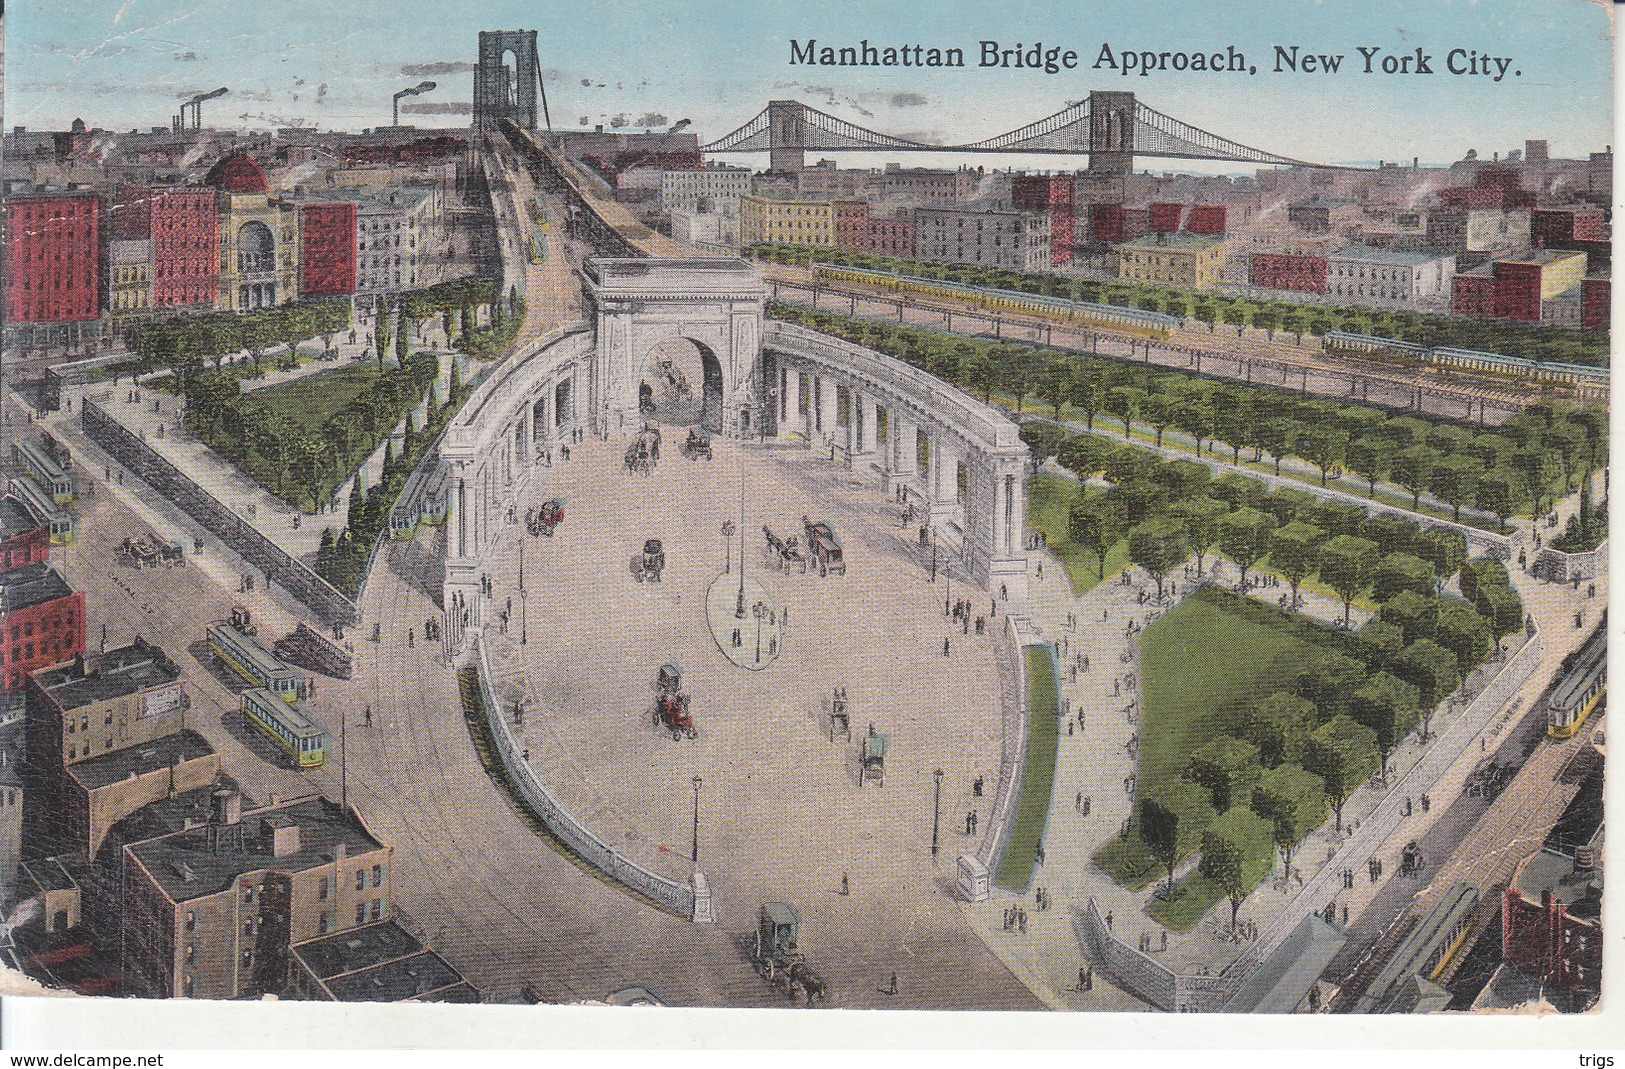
x: 1192, y: 898
x: 1049, y: 499
x: 1199, y: 663
x: 1038, y: 776
x: 312, y: 401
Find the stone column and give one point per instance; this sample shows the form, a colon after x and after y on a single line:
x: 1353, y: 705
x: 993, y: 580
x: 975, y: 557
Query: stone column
x: 944, y: 480
x: 790, y: 400
x: 870, y: 441
x: 827, y: 410
x: 904, y: 467
x: 527, y: 436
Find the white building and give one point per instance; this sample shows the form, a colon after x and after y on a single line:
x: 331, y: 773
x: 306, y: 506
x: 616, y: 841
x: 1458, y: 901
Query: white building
x: 1015, y: 241
x: 705, y: 228
x: 1390, y: 278
x: 402, y: 242
x: 717, y: 189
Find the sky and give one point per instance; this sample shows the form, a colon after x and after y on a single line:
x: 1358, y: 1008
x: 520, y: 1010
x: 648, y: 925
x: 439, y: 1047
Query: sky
x: 123, y: 64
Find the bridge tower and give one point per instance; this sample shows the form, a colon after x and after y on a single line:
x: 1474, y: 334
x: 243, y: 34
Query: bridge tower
x: 501, y: 92
x: 786, y: 135
x: 1111, y: 134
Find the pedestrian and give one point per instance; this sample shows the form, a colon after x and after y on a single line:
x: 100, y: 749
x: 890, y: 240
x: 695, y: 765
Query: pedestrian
x: 1077, y: 803
x: 1083, y: 979
x: 1086, y: 806
x: 846, y: 885
x: 1086, y: 662
x: 1108, y: 920
x: 366, y: 717
x: 1165, y: 939
x: 1021, y: 920
x: 410, y: 639
x: 1345, y: 916
x: 1038, y: 853
x: 945, y: 647
x: 970, y: 823
x: 891, y: 988
x: 976, y: 787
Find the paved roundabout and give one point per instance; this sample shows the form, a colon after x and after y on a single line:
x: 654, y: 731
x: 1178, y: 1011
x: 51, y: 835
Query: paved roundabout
x: 782, y: 815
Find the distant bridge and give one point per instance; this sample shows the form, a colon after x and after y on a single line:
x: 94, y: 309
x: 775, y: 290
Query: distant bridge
x: 1110, y: 127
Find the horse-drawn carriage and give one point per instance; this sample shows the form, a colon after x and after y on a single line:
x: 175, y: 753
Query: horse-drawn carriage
x: 787, y: 551
x: 644, y: 452
x: 697, y: 445
x: 823, y: 548
x: 872, y: 758
x: 542, y: 521
x: 778, y: 958
x: 1410, y: 859
x: 671, y: 704
x: 651, y: 562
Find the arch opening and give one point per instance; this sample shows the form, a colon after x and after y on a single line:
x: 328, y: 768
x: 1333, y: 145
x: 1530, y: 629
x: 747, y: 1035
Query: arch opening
x: 681, y: 385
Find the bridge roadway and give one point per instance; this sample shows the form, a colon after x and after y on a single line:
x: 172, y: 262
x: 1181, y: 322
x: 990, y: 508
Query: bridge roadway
x: 1249, y: 356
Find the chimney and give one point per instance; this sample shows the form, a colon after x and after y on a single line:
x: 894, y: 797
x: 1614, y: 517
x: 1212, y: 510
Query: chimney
x: 279, y: 836
x: 340, y: 851
x: 1585, y: 858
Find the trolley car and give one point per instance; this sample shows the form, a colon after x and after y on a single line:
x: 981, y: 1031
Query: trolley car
x: 288, y: 726
x: 45, y: 470
x: 1582, y: 688
x: 60, y: 524
x: 256, y: 664
x: 1413, y: 354
x: 422, y: 503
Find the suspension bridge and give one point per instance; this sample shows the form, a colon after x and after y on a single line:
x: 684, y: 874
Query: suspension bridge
x: 1110, y: 127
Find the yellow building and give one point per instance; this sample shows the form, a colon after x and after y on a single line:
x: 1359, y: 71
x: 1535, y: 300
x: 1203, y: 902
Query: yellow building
x: 129, y: 277
x: 1190, y: 261
x: 259, y: 238
x: 786, y: 222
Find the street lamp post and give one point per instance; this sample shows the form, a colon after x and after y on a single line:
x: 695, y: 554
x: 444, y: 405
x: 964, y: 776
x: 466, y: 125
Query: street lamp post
x: 727, y: 546
x: 739, y: 604
x: 936, y: 814
x: 524, y: 629
x: 694, y: 853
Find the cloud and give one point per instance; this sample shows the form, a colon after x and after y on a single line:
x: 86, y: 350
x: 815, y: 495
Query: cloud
x: 652, y: 119
x: 421, y: 70
x: 321, y: 92
x: 438, y: 107
x: 186, y: 57
x: 908, y: 100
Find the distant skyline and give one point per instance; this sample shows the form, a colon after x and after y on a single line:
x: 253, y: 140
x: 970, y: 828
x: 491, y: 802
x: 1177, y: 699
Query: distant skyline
x: 127, y: 64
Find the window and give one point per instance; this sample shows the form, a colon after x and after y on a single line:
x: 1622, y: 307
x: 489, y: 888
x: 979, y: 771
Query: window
x: 191, y: 920
x: 360, y: 879
x: 378, y: 875
x: 361, y: 913
x: 322, y: 890
x: 324, y: 923
x: 248, y: 956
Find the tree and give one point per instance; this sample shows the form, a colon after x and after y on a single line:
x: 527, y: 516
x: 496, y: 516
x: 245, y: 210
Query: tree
x: 1159, y: 546
x: 1083, y: 455
x: 1126, y: 403
x: 381, y: 336
x: 1499, y: 492
x: 1172, y: 822
x: 1093, y: 527
x: 1454, y: 480
x: 1088, y: 394
x: 1430, y: 668
x: 1390, y: 707
x: 1275, y: 437
x: 1345, y: 562
x: 1445, y: 549
x: 1238, y: 853
x: 1238, y: 489
x: 1293, y: 553
x: 1414, y: 614
x: 1327, y: 681
x: 1502, y: 608
x: 1245, y: 536
x: 1201, y: 516
x: 259, y: 333
x: 1412, y: 469
x: 1464, y: 632
x: 1278, y: 725
x: 1342, y: 752
x: 981, y: 374
x: 403, y: 342
x: 1324, y: 447
x: 1368, y: 458
x: 1293, y: 800
x: 1382, y: 641
x: 1228, y: 767
x: 1044, y: 440
x: 1158, y: 411
x: 1401, y: 571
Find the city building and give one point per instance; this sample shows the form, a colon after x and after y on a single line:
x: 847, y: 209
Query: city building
x: 129, y: 278
x: 1390, y: 278
x: 705, y: 228
x: 259, y: 238
x: 401, y: 241
x: 858, y: 229
x: 1496, y: 187
x: 13, y: 797
x: 53, y: 259
x: 1008, y: 240
x: 1189, y: 261
x: 185, y: 231
x: 715, y: 188
x: 23, y: 538
x: 328, y: 241
x: 1572, y: 227
x: 1595, y: 301
x: 1481, y: 230
x: 1551, y: 920
x: 1520, y: 287
x: 786, y: 222
x: 86, y: 707
x: 1114, y: 224
x: 926, y: 185
x: 214, y: 911
x: 42, y: 622
x: 1209, y: 219
x: 1057, y: 195
x: 1320, y: 214
x: 91, y: 796
x: 380, y: 962
x: 1286, y: 271
x: 1165, y: 218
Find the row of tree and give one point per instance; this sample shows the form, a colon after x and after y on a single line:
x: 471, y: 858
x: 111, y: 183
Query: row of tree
x: 186, y: 342
x: 1291, y: 317
x: 1515, y: 468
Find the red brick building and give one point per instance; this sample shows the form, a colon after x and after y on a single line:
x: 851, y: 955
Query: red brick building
x: 1595, y: 302
x: 53, y: 259
x: 858, y: 229
x: 328, y: 249
x: 23, y: 539
x: 42, y: 623
x: 1165, y: 218
x: 1551, y: 921
x: 1288, y: 271
x: 1472, y: 292
x: 1493, y: 187
x: 1113, y: 224
x: 1207, y: 219
x: 185, y: 228
x: 1056, y: 194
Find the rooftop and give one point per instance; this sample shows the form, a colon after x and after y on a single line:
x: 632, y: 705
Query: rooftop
x: 126, y: 670
x: 186, y: 810
x: 369, y: 201
x: 33, y: 585
x: 1373, y: 254
x: 1284, y: 978
x: 237, y: 173
x: 15, y: 519
x: 1542, y: 256
x: 381, y: 962
x: 1177, y: 240
x: 1579, y: 889
x: 186, y: 866
x: 132, y: 761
